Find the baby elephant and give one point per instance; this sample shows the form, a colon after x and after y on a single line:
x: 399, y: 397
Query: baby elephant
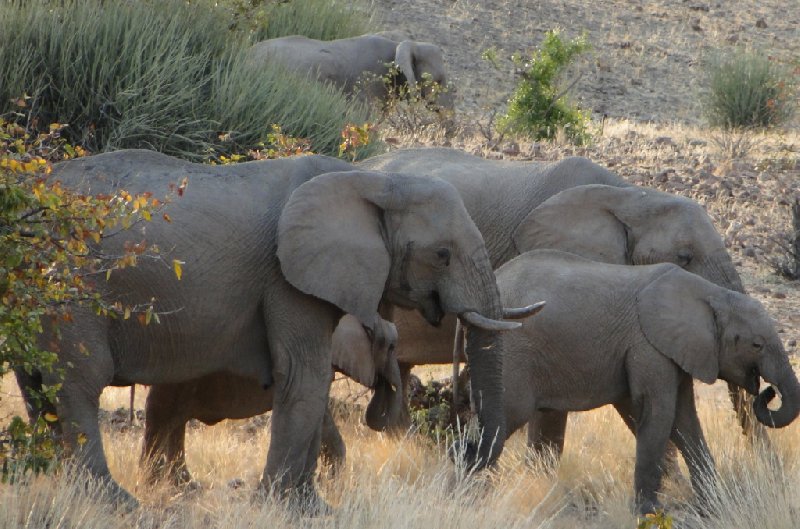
x: 365, y: 355
x: 358, y: 65
x: 635, y: 337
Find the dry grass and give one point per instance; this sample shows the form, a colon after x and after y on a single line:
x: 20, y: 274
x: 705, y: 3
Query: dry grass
x: 410, y: 483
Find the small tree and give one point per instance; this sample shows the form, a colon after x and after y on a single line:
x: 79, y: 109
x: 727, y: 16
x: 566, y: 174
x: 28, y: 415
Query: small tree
x: 49, y: 262
x: 539, y: 107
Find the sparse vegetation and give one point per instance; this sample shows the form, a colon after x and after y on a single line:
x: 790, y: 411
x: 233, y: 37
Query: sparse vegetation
x: 539, y: 107
x: 749, y: 89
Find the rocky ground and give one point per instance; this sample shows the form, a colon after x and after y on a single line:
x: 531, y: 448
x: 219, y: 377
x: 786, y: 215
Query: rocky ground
x: 643, y: 82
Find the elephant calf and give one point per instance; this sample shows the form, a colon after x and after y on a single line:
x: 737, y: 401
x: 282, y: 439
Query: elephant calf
x: 635, y: 337
x: 366, y: 356
x: 358, y: 65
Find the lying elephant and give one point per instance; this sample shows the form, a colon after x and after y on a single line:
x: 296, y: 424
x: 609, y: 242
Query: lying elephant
x: 572, y: 205
x: 365, y: 354
x: 274, y: 253
x: 635, y: 337
x: 358, y: 65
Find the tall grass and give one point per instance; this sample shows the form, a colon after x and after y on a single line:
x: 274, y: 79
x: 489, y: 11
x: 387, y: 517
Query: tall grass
x: 159, y: 74
x: 404, y: 483
x: 318, y: 19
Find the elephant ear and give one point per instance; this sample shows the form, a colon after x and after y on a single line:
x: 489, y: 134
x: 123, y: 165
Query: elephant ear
x: 580, y: 220
x: 678, y: 320
x: 351, y: 351
x: 404, y: 58
x: 331, y: 240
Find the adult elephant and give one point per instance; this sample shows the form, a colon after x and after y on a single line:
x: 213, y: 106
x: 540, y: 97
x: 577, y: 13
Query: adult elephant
x: 572, y: 205
x: 364, y: 353
x: 274, y: 253
x: 359, y: 65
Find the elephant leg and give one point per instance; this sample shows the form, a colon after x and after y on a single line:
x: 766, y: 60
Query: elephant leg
x: 743, y: 407
x: 670, y: 466
x: 404, y: 414
x: 688, y: 436
x: 299, y: 331
x: 654, y: 417
x: 546, y: 431
x: 30, y: 385
x: 85, y: 376
x: 333, y: 449
x: 163, y: 452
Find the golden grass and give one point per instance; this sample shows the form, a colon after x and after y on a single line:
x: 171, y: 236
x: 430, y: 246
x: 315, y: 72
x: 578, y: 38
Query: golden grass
x: 409, y: 482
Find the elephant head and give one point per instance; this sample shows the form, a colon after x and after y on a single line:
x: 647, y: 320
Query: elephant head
x: 367, y: 355
x: 713, y: 333
x: 356, y: 238
x: 630, y: 225
x: 419, y: 60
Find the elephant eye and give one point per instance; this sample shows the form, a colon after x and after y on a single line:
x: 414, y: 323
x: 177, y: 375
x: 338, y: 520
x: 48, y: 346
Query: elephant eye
x: 444, y: 256
x: 758, y: 345
x: 685, y: 257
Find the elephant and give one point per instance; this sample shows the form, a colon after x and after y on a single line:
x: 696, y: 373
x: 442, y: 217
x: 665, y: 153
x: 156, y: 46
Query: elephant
x: 635, y: 337
x: 358, y: 65
x: 572, y: 205
x: 274, y: 252
x: 365, y: 354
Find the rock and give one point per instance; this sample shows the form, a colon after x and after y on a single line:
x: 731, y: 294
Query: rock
x: 792, y: 343
x: 761, y: 23
x: 511, y: 149
x: 749, y: 252
x: 663, y: 140
x: 732, y: 39
x: 779, y: 295
x: 700, y: 7
x: 694, y: 142
x: 695, y: 25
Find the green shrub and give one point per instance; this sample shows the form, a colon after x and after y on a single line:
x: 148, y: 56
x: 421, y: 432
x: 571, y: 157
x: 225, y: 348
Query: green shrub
x: 747, y: 89
x: 539, y: 107
x: 159, y: 74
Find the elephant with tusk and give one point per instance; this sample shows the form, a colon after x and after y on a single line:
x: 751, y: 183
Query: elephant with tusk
x: 358, y: 65
x: 274, y: 252
x: 572, y: 205
x: 635, y: 337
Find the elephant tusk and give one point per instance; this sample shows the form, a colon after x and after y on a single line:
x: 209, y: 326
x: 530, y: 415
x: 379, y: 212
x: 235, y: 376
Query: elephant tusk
x: 482, y: 322
x: 458, y: 349
x: 523, y: 312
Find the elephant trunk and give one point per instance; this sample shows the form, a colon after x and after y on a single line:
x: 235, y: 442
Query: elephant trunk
x: 386, y: 405
x: 485, y: 360
x: 776, y: 370
x: 718, y: 268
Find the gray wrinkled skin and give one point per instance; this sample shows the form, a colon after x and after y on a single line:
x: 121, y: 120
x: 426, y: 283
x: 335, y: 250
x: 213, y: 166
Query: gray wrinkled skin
x: 572, y: 205
x: 635, y: 337
x: 358, y: 64
x: 274, y: 253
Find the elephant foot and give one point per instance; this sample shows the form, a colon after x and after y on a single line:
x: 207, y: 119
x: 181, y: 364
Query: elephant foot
x: 122, y: 500
x: 304, y: 499
x: 649, y: 506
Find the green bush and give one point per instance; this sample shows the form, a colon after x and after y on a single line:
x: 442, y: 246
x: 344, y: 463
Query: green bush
x: 747, y: 89
x: 159, y: 74
x: 539, y: 107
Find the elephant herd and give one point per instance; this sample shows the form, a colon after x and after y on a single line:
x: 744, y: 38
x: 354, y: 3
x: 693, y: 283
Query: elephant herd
x: 298, y: 266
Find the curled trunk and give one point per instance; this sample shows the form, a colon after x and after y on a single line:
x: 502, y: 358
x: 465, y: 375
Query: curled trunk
x: 777, y: 371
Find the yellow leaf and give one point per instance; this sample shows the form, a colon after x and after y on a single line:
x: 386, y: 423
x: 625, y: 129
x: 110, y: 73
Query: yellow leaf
x: 146, y: 215
x: 50, y: 417
x: 82, y: 439
x: 108, y: 274
x: 176, y: 265
x: 167, y: 218
x: 127, y: 313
